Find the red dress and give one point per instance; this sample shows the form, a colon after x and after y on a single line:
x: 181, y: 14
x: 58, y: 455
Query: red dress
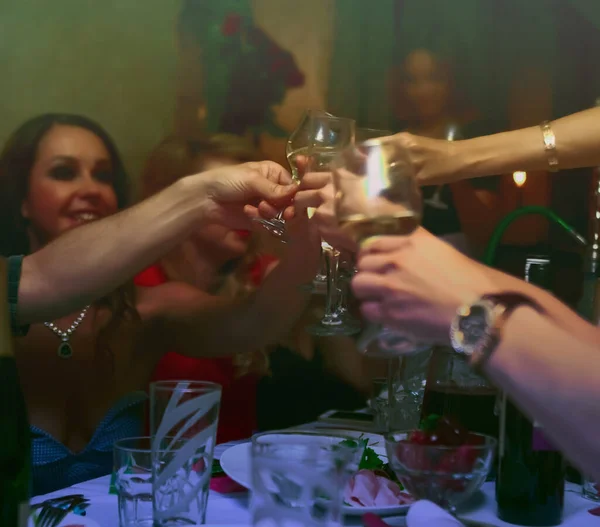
x: 237, y: 418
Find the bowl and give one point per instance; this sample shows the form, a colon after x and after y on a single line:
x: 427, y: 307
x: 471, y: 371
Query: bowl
x: 445, y: 475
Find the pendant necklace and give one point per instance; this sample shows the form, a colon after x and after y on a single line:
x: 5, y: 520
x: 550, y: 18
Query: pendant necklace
x: 64, y: 350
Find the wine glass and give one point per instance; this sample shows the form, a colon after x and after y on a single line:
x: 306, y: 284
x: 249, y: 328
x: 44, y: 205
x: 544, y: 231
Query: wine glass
x: 377, y: 194
x: 299, y: 141
x: 324, y: 138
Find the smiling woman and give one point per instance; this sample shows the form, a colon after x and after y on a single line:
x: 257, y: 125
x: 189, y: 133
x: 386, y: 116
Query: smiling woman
x: 63, y: 149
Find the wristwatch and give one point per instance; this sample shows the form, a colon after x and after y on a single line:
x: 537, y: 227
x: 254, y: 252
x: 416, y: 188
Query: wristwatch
x: 477, y: 328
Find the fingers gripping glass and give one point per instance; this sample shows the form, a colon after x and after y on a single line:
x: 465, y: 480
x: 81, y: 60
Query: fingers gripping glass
x: 297, y: 146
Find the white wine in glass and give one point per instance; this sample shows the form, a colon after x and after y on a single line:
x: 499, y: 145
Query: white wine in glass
x: 376, y: 194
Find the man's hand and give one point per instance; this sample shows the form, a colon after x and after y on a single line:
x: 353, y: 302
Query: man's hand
x: 234, y: 192
x: 416, y: 283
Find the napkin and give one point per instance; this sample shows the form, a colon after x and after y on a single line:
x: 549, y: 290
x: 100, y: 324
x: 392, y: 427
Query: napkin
x: 424, y: 513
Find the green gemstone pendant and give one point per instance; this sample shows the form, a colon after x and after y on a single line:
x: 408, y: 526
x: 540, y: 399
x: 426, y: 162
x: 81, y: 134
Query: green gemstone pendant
x: 65, y: 351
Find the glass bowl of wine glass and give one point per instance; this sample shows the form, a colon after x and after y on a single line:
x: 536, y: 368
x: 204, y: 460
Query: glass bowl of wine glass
x: 431, y: 469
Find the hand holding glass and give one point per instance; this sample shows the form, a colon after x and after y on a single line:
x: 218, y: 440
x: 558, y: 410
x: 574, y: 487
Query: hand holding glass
x: 377, y: 194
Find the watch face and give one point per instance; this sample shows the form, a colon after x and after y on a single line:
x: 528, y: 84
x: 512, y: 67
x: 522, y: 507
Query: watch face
x: 471, y: 327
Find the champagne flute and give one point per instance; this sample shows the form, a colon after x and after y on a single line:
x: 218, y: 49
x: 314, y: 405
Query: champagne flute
x: 377, y: 194
x: 327, y: 136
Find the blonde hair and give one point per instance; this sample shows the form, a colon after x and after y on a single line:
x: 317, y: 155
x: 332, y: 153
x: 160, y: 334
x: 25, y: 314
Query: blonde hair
x: 176, y: 157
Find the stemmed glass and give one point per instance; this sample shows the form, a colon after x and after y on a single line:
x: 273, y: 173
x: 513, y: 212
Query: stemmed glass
x: 375, y: 194
x: 297, y: 143
x: 318, y: 142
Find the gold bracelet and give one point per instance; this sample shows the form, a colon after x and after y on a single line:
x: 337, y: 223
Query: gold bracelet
x: 550, y: 146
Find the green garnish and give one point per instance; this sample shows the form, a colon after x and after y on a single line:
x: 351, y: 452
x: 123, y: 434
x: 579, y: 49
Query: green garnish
x: 370, y: 460
x: 429, y: 424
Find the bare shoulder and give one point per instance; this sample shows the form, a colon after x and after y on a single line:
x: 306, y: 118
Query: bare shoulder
x: 169, y: 299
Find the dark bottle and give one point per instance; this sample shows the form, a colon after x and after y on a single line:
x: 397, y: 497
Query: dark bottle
x: 15, y: 441
x: 531, y: 473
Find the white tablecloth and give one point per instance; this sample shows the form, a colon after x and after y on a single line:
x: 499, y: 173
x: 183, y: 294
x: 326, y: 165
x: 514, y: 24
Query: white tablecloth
x: 232, y: 509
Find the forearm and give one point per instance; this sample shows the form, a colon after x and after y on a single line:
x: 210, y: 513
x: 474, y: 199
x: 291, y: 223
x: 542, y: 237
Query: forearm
x: 552, y: 374
x: 577, y: 145
x: 94, y: 259
x: 558, y: 312
x: 236, y: 326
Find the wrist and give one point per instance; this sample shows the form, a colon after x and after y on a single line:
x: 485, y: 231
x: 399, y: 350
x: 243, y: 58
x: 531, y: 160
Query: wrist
x: 190, y: 194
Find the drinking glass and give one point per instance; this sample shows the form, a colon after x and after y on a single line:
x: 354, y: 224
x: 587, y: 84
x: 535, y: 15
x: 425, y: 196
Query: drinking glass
x: 376, y: 194
x: 183, y: 423
x: 298, y: 142
x: 317, y: 141
x: 590, y: 489
x: 298, y: 478
x: 132, y: 470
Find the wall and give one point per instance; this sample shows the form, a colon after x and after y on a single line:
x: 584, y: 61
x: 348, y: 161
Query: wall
x: 306, y: 29
x: 113, y: 61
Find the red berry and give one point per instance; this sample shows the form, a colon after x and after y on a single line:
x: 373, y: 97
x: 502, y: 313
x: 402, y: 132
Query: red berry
x: 419, y: 437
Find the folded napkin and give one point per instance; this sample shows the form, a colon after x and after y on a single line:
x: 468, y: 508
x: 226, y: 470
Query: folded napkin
x: 424, y: 513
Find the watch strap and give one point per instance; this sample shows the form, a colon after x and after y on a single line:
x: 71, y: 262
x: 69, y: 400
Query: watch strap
x: 504, y: 305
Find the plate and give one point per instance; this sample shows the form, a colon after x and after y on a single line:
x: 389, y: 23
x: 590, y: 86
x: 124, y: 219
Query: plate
x: 235, y: 462
x: 74, y: 520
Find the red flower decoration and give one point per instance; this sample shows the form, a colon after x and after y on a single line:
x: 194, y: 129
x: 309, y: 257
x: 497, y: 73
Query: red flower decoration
x: 294, y: 79
x: 231, y: 25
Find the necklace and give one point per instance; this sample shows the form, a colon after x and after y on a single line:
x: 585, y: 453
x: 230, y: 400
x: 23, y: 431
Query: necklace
x: 64, y: 350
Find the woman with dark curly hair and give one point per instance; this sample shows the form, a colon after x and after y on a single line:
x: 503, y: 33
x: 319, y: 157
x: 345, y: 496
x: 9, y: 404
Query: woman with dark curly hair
x: 84, y: 376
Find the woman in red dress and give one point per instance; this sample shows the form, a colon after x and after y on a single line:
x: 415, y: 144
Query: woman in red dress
x: 218, y: 261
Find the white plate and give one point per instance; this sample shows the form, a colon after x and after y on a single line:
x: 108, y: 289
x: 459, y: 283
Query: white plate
x: 74, y: 519
x: 235, y: 462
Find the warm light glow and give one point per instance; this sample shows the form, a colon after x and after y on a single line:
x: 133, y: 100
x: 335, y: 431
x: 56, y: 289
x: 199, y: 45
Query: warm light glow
x: 519, y: 177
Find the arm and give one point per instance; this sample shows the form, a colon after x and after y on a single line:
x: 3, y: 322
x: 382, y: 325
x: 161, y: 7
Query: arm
x: 553, y: 374
x: 577, y: 145
x: 92, y: 260
x: 548, y: 363
x: 437, y: 161
x: 200, y: 324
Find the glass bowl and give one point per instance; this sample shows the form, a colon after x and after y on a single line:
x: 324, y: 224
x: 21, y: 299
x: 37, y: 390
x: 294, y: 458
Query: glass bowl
x: 445, y: 475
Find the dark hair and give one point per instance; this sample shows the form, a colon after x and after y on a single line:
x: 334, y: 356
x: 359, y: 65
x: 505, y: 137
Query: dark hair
x: 16, y: 161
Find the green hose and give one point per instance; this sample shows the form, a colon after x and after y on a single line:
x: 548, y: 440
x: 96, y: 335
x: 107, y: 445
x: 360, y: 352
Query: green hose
x: 490, y: 251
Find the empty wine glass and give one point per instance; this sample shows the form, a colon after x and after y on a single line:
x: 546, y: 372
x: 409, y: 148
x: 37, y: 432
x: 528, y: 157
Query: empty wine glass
x: 327, y: 136
x: 376, y: 194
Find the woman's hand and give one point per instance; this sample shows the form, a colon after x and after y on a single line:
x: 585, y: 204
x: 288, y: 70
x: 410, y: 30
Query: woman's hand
x: 435, y: 161
x: 416, y: 283
x: 234, y: 192
x: 316, y: 192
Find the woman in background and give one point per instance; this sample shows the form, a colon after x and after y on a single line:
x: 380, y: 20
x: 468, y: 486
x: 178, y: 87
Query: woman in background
x: 223, y: 262
x: 427, y: 103
x: 218, y: 261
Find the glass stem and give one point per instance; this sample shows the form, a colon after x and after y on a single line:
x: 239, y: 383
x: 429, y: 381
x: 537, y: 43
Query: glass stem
x: 333, y: 259
x: 391, y: 395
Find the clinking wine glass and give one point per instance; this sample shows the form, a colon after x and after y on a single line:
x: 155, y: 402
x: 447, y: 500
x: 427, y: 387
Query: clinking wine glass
x: 323, y: 139
x: 377, y: 194
x: 299, y: 141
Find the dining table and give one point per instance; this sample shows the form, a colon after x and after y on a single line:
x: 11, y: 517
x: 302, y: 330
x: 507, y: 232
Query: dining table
x: 231, y: 508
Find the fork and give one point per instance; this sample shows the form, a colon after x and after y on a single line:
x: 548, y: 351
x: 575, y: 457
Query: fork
x: 51, y: 516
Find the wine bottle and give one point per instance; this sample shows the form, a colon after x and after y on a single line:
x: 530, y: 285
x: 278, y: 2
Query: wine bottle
x: 531, y: 472
x: 15, y: 441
